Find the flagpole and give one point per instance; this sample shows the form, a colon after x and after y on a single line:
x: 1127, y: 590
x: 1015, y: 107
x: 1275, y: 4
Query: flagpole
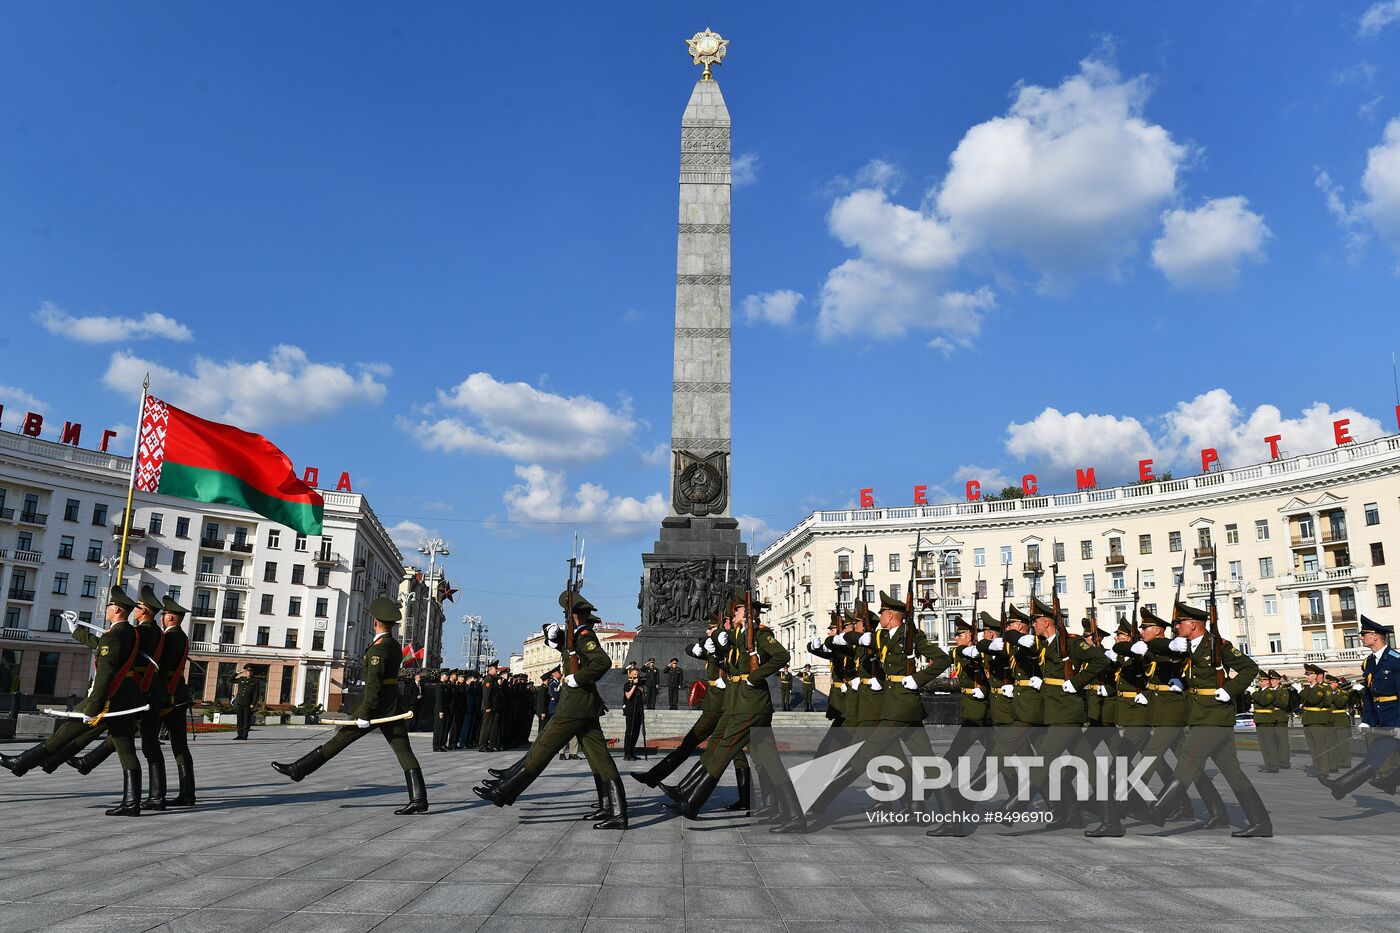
x: 131, y: 480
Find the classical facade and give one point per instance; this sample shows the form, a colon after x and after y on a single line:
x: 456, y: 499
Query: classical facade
x: 537, y: 657
x: 293, y: 607
x: 1300, y: 546
x: 424, y: 614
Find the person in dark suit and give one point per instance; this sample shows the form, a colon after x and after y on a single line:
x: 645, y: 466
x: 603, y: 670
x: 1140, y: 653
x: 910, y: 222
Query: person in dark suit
x: 633, y: 709
x: 471, y: 702
x: 675, y: 678
x: 244, y: 699
x: 651, y: 682
x: 438, y: 698
x: 491, y: 690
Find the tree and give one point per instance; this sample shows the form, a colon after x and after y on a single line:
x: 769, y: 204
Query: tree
x: 1007, y: 492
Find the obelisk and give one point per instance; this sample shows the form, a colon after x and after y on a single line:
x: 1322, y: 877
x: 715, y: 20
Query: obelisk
x: 699, y: 558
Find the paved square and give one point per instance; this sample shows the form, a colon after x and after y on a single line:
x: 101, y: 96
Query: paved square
x: 263, y: 853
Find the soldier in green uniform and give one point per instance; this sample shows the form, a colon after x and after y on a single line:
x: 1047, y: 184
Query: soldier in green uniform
x: 785, y: 687
x: 381, y: 700
x: 809, y: 687
x: 575, y: 715
x: 243, y: 700
x: 1210, y: 719
x: 1316, y: 714
x: 175, y: 654
x: 1271, y: 722
x: 675, y: 679
x: 836, y: 698
x: 1127, y: 709
x: 972, y: 682
x: 112, y: 692
x: 1340, y: 701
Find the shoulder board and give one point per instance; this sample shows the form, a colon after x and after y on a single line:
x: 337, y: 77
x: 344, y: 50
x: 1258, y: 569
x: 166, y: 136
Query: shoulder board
x: 584, y: 632
x: 1392, y: 653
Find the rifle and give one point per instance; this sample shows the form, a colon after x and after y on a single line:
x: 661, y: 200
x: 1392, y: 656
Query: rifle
x: 1061, y: 630
x: 1215, y: 641
x: 575, y: 582
x: 750, y: 623
x: 1005, y: 588
x: 909, y: 611
x: 1133, y: 619
x: 1176, y: 599
x: 976, y: 592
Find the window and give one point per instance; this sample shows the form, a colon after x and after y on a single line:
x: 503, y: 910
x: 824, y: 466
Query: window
x: 90, y: 586
x: 240, y: 535
x: 152, y: 556
x: 24, y: 541
x: 65, y: 547
x: 211, y: 532
x: 46, y: 678
x: 99, y: 513
x: 194, y: 677
x: 94, y: 551
x: 1088, y: 583
x: 868, y: 566
x: 1236, y: 571
x: 894, y: 563
x: 323, y: 576
x: 1377, y: 554
x: 311, y: 686
x: 70, y: 510
x: 981, y: 589
x: 174, y: 593
x: 1033, y: 553
x: 979, y: 557
x: 206, y: 564
x: 1150, y: 607
x: 270, y: 572
x: 284, y: 694
x: 300, y: 544
x: 290, y: 639
x: 87, y: 616
x: 265, y: 605
x: 1005, y: 556
x: 867, y: 595
x: 298, y: 573
x: 274, y: 539
x: 182, y: 527
x: 1148, y: 579
x: 200, y: 633
x: 177, y: 562
x: 1144, y: 544
x: 264, y: 636
x: 1086, y: 550
x: 60, y: 585
x: 235, y: 568
x: 1058, y: 550
x: 1237, y: 606
x: 154, y: 523
x: 1261, y: 530
x: 1203, y: 537
x: 1232, y: 534
x: 1347, y: 599
x: 294, y: 606
x: 1275, y: 643
x: 55, y: 620
x: 318, y: 643
x: 1319, y: 640
x: 323, y: 605
x: 1266, y: 568
x: 1373, y: 514
x: 1117, y: 580
x: 1174, y: 541
x: 12, y: 617
x: 232, y: 606
x: 843, y: 563
x: 1178, y: 577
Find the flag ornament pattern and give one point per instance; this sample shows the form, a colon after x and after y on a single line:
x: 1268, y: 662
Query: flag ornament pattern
x: 179, y: 454
x: 411, y: 656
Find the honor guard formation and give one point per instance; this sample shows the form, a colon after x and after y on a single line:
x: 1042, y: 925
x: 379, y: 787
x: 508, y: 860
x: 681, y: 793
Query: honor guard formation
x: 1163, y: 692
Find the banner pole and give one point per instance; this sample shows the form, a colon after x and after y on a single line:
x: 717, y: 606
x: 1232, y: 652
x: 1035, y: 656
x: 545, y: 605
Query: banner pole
x: 131, y: 480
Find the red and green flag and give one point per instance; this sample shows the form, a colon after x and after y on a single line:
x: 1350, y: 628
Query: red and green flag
x: 181, y: 455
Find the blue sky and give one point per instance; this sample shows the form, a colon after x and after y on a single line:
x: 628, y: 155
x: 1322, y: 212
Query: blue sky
x: 435, y: 246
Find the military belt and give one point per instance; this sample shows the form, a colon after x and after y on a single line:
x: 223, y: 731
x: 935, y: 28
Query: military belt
x: 1263, y: 709
x: 1317, y: 709
x: 1127, y: 693
x: 714, y: 683
x: 969, y: 690
x: 1205, y: 691
x: 1160, y: 688
x: 838, y: 683
x: 389, y: 680
x: 1384, y: 699
x: 1052, y: 681
x: 740, y: 677
x: 1023, y: 683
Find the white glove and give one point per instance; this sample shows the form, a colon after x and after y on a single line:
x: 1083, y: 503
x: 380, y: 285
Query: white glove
x: 1139, y: 648
x: 719, y: 682
x: 875, y: 685
x: 971, y: 652
x: 910, y: 684
x: 1363, y: 725
x: 760, y: 684
x: 1101, y: 690
x: 1009, y: 690
x: 977, y: 694
x: 1036, y: 683
x: 1296, y: 687
x: 1176, y: 685
x: 552, y: 632
x: 722, y: 638
x: 854, y: 682
x: 697, y: 651
x: 843, y: 688
x: 865, y: 639
x: 362, y: 723
x: 1112, y: 657
x: 996, y: 644
x: 571, y: 680
x: 70, y: 619
x: 710, y: 647
x: 1068, y: 687
x: 1358, y: 686
x: 1026, y: 641
x: 1140, y: 699
x: 1249, y: 689
x: 1223, y: 695
x: 839, y: 639
x: 1179, y: 645
x: 814, y: 645
x: 1107, y: 642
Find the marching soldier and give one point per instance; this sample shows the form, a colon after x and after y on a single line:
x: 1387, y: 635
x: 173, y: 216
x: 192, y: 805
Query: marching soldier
x: 785, y: 687
x: 1316, y: 714
x: 836, y: 699
x: 174, y: 657
x: 576, y: 714
x: 381, y: 701
x: 1271, y: 722
x: 113, y: 692
x: 243, y: 701
x: 809, y: 687
x: 971, y: 680
x: 1340, y: 701
x: 1210, y: 719
x: 1379, y: 691
x: 1130, y: 707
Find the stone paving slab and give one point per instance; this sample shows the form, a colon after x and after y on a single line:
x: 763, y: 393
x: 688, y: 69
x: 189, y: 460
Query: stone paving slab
x: 263, y: 853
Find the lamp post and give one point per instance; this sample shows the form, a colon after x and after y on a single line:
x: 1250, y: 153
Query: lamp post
x: 432, y: 547
x: 470, y: 644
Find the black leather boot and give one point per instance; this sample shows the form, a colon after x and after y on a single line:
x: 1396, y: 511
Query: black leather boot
x: 21, y: 763
x: 679, y: 792
x: 699, y: 792
x: 184, y: 770
x: 1348, y: 781
x: 616, y: 797
x: 1110, y: 822
x: 131, y: 795
x: 743, y: 781
x: 417, y: 793
x: 504, y: 793
x: 86, y: 764
x: 790, y: 818
x: 602, y: 810
x: 1387, y: 783
x: 303, y: 766
x: 1256, y: 816
x: 1168, y: 802
x: 502, y: 773
x: 1217, y: 816
x: 155, y: 785
x: 672, y: 760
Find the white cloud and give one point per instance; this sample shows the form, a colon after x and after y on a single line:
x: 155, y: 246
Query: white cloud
x: 993, y: 479
x: 743, y: 170
x: 99, y: 329
x: 543, y: 496
x: 756, y: 530
x: 1381, y: 183
x: 529, y: 425
x: 1065, y: 441
x: 406, y: 534
x: 17, y: 401
x: 287, y: 387
x: 1204, y: 248
x: 1348, y: 217
x: 1377, y: 17
x: 657, y: 455
x: 779, y: 308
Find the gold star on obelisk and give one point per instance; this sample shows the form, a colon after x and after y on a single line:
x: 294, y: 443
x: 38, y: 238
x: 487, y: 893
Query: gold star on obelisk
x: 707, y: 48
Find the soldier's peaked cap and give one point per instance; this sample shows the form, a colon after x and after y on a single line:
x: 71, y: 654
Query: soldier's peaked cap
x: 989, y: 621
x: 1370, y: 625
x: 1274, y: 675
x: 169, y: 605
x: 118, y: 597
x: 1149, y: 618
x: 149, y: 599
x: 1186, y: 611
x: 385, y: 610
x: 961, y: 626
x: 581, y: 604
x: 888, y: 602
x: 1038, y: 608
x: 1124, y: 628
x: 1015, y: 615
x: 1313, y: 669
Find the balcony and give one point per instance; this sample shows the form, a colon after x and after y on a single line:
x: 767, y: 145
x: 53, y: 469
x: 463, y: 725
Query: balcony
x: 235, y: 615
x: 1116, y: 595
x: 208, y: 579
x: 133, y: 533
x: 1331, y: 576
x: 4, y: 553
x: 33, y: 518
x: 953, y: 572
x: 7, y: 514
x: 1033, y: 566
x: 16, y: 634
x: 203, y: 612
x: 1344, y: 615
x: 209, y: 647
x: 23, y: 596
x: 1115, y: 560
x: 1304, y: 541
x: 326, y: 558
x: 805, y: 581
x: 238, y: 583
x: 1206, y: 552
x: 844, y: 576
x: 1313, y: 618
x: 1334, y: 536
x: 211, y: 544
x: 32, y: 558
x: 242, y: 547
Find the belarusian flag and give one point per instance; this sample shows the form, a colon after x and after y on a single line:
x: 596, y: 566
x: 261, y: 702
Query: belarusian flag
x: 178, y: 454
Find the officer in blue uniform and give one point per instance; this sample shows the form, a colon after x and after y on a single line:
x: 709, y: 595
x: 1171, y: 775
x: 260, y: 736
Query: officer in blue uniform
x: 1380, y: 712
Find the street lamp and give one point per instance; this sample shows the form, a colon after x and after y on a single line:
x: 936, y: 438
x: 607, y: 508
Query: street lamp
x: 432, y: 547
